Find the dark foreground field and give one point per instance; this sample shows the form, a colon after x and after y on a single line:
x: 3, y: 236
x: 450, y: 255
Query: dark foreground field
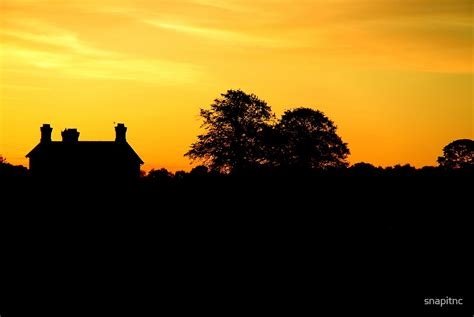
x: 290, y: 244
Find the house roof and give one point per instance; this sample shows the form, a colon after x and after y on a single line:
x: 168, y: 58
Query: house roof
x: 99, y: 150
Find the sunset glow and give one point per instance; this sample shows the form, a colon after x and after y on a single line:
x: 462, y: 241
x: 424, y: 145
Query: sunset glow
x: 394, y: 75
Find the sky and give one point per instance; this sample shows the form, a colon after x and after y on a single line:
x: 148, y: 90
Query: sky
x: 396, y: 76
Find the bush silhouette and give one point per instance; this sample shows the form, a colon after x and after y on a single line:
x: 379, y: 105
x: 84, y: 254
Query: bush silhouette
x: 9, y: 171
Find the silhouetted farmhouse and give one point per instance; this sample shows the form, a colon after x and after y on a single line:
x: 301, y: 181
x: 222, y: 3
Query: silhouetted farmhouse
x: 72, y: 159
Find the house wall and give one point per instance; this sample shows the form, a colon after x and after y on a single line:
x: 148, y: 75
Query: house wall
x: 83, y: 169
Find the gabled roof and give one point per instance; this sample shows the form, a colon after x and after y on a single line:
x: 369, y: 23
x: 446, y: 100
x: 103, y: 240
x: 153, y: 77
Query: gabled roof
x: 100, y: 150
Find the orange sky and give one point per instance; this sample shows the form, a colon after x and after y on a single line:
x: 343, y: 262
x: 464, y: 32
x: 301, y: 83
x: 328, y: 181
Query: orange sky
x: 394, y: 75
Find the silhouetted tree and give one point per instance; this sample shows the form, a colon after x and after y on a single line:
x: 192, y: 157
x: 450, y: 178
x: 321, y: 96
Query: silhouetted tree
x: 9, y: 171
x: 161, y: 177
x: 403, y: 170
x: 306, y: 138
x: 233, y: 138
x: 363, y: 166
x: 180, y: 176
x: 365, y: 169
x: 199, y: 170
x: 458, y: 154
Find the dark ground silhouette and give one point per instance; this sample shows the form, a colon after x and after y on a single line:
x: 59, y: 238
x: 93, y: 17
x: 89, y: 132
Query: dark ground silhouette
x: 362, y: 240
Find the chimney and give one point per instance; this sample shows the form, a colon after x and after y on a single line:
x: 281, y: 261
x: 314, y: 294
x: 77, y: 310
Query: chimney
x: 120, y: 133
x: 70, y: 135
x: 46, y: 133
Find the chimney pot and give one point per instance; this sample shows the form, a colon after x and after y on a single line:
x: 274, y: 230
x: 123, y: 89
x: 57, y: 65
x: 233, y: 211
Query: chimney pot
x: 70, y: 135
x: 120, y: 133
x: 46, y: 131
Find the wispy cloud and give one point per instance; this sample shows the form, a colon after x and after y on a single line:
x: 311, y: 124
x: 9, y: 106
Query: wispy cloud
x: 41, y: 46
x: 427, y: 35
x: 60, y: 39
x: 223, y: 35
x: 230, y: 5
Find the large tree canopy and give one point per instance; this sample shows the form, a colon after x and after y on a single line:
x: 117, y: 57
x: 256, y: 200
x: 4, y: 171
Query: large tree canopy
x: 458, y: 154
x: 241, y: 133
x: 306, y: 138
x: 233, y: 124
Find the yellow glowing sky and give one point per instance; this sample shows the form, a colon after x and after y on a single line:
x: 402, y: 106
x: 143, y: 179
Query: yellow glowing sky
x: 394, y: 75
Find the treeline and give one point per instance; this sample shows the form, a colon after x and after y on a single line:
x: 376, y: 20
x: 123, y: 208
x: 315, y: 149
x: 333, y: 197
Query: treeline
x: 243, y: 138
x: 242, y: 133
x: 244, y: 143
x: 164, y: 179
